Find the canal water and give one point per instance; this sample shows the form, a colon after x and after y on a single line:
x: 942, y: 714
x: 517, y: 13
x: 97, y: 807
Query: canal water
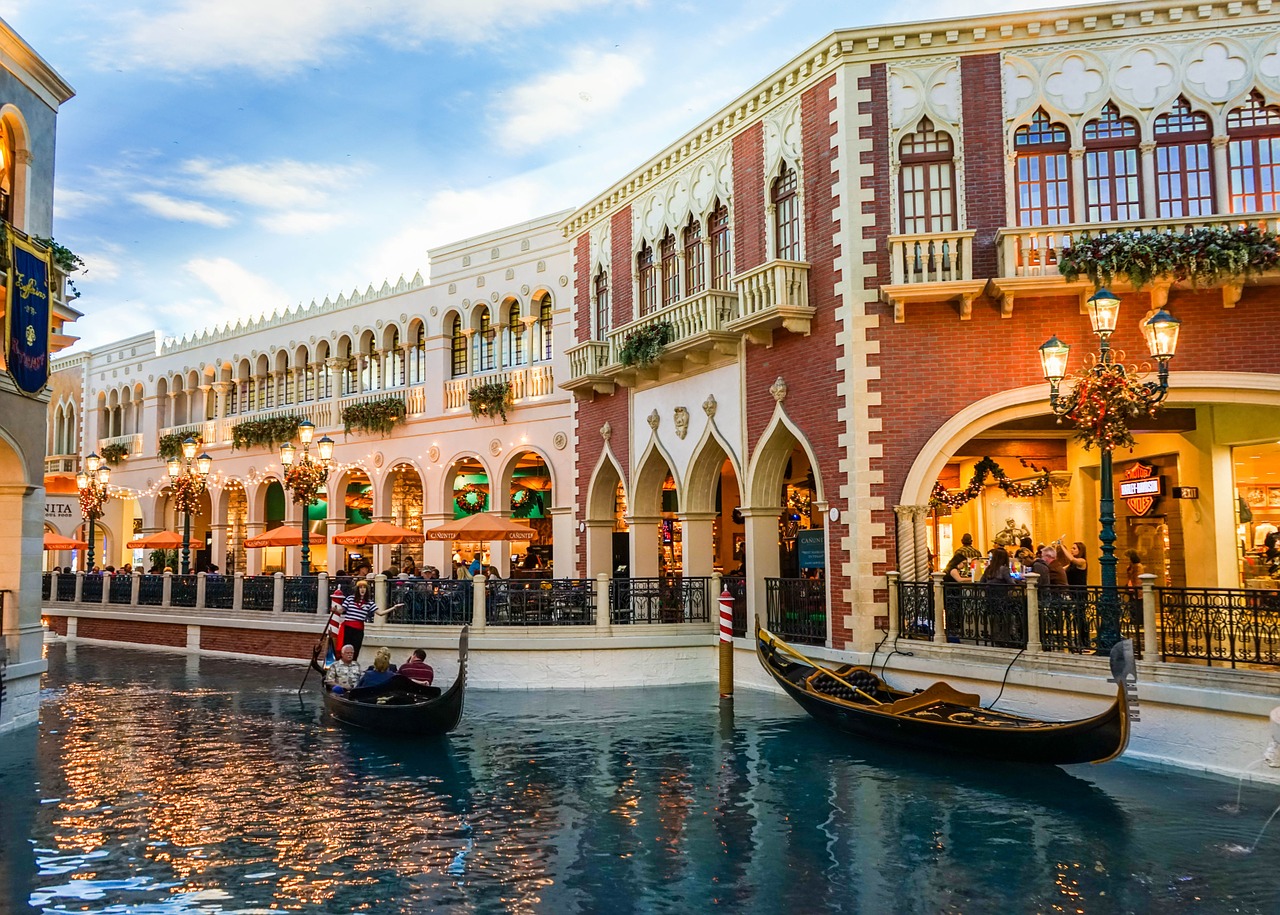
x: 164, y: 785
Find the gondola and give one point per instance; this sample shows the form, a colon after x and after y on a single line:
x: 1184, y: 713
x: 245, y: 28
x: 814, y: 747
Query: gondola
x: 944, y: 721
x: 403, y: 708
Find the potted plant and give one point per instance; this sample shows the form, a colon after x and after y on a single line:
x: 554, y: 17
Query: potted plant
x: 115, y: 452
x: 644, y: 345
x: 490, y: 399
x: 375, y: 416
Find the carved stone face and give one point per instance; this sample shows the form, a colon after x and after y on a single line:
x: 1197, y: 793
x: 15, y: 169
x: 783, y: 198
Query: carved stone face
x: 682, y: 422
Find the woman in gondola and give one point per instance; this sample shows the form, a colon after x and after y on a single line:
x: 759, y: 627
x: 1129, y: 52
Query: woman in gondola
x: 357, y: 609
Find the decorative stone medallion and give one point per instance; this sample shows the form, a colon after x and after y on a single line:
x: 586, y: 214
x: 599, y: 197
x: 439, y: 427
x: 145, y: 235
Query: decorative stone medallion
x: 495, y: 447
x: 433, y: 454
x: 559, y: 441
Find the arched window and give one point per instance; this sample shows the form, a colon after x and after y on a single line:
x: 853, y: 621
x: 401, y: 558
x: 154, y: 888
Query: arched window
x: 418, y: 358
x: 544, y: 327
x: 1043, y: 177
x: 485, y: 334
x: 647, y: 271
x: 515, y: 336
x: 926, y: 181
x: 457, y: 348
x: 1184, y: 162
x: 8, y: 168
x: 786, y: 214
x: 1253, y: 156
x: 670, y: 271
x: 1111, y: 180
x: 604, y: 315
x: 721, y: 231
x: 695, y: 258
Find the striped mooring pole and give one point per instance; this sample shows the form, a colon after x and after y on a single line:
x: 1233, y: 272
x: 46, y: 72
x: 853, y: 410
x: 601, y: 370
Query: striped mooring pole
x: 726, y: 644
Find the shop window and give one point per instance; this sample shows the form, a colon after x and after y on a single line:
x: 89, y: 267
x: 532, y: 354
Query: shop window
x: 1111, y: 180
x: 785, y: 197
x: 1253, y: 155
x: 1042, y: 174
x: 695, y: 258
x: 721, y: 231
x: 647, y: 271
x: 1184, y: 163
x: 926, y: 181
x: 457, y: 348
x: 604, y: 316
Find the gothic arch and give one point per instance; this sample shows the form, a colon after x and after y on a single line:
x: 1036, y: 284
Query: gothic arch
x: 769, y: 461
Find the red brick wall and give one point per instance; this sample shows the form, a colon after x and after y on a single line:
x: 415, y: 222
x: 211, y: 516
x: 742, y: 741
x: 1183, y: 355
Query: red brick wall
x: 621, y: 265
x: 57, y: 623
x: 748, y: 199
x: 808, y: 364
x: 984, y: 173
x: 582, y: 288
x: 137, y: 631
x: 875, y: 177
x: 259, y: 642
x: 591, y: 416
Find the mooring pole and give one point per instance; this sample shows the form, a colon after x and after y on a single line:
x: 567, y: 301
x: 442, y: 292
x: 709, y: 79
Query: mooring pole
x: 726, y: 645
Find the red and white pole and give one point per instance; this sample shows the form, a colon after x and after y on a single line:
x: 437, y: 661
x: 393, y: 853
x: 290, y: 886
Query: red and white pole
x: 726, y: 644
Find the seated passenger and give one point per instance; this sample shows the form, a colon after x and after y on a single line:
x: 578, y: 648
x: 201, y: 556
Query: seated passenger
x: 417, y: 668
x: 381, y: 672
x: 344, y: 674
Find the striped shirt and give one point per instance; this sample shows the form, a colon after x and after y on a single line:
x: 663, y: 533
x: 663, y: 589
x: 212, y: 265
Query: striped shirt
x: 355, y: 611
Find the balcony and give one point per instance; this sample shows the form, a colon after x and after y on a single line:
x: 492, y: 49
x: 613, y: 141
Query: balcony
x: 62, y: 463
x: 698, y: 331
x: 527, y: 385
x: 772, y: 296
x: 931, y: 267
x: 132, y: 442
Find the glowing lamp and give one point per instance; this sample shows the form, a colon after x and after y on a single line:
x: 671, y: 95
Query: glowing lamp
x: 286, y: 454
x: 203, y: 463
x: 1104, y: 311
x: 325, y: 447
x: 1053, y: 357
x: 188, y: 447
x: 1161, y: 331
x: 306, y: 430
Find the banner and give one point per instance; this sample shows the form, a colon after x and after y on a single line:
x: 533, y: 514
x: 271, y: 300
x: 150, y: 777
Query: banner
x: 28, y: 316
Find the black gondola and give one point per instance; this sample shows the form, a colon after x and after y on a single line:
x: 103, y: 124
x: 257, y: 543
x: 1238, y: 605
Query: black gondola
x: 402, y: 707
x: 942, y: 720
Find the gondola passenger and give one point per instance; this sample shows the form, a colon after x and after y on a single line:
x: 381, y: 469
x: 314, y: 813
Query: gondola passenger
x: 344, y: 673
x: 381, y: 672
x: 417, y: 669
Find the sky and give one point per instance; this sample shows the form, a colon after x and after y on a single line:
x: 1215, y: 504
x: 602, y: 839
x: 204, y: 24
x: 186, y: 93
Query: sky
x: 229, y: 158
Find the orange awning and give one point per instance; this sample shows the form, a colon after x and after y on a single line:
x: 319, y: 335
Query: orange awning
x: 482, y: 526
x: 162, y: 540
x: 377, y: 532
x: 54, y: 541
x: 282, y: 536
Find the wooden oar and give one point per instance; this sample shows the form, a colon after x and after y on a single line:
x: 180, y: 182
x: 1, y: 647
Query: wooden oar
x: 778, y: 643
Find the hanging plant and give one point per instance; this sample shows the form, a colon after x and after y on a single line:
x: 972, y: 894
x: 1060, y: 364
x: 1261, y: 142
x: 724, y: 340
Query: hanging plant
x: 375, y: 416
x: 471, y: 498
x: 186, y: 491
x: 115, y: 452
x: 490, y: 399
x: 304, y: 479
x: 64, y: 260
x: 644, y: 345
x: 170, y: 446
x: 1204, y: 257
x: 264, y: 432
x: 1104, y: 399
x: 985, y: 467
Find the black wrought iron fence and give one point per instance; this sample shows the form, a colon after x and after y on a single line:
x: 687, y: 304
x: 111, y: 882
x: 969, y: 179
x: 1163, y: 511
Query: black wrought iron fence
x: 46, y: 586
x: 219, y: 592
x: 736, y: 585
x: 66, y: 587
x: 120, y: 591
x: 151, y: 590
x: 259, y: 593
x: 797, y: 609
x: 545, y: 602
x: 915, y: 610
x: 1070, y: 618
x: 986, y: 614
x: 91, y: 593
x: 442, y: 602
x: 1219, y: 626
x: 300, y: 593
x: 669, y: 599
x: 182, y: 591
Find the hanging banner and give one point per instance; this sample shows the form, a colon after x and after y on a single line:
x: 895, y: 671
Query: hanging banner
x: 28, y: 315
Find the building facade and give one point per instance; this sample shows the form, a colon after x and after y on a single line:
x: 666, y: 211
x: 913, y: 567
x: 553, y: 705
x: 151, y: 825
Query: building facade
x: 31, y: 94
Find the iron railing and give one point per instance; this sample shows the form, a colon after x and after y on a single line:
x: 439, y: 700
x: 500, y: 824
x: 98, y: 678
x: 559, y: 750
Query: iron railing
x: 797, y: 609
x: 1070, y: 618
x: 66, y: 587
x: 736, y: 585
x: 986, y: 614
x: 151, y: 590
x: 259, y: 593
x: 548, y: 602
x: 443, y: 602
x: 46, y: 586
x: 219, y: 592
x: 182, y: 590
x: 91, y: 590
x: 300, y: 593
x: 120, y: 591
x: 670, y: 599
x: 915, y: 610
x: 1220, y: 626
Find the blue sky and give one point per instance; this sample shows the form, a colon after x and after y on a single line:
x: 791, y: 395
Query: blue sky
x: 226, y: 158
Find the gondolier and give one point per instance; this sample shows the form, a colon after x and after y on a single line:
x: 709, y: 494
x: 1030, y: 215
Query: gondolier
x: 358, y: 608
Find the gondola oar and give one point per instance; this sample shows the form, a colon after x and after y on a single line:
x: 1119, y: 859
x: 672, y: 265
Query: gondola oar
x: 335, y: 608
x: 778, y: 644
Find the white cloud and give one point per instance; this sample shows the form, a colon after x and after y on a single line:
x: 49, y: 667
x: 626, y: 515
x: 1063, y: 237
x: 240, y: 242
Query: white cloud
x: 563, y: 103
x: 181, y: 210
x: 300, y: 222
x: 68, y: 203
x: 99, y: 267
x: 240, y: 291
x: 280, y: 185
x: 280, y: 36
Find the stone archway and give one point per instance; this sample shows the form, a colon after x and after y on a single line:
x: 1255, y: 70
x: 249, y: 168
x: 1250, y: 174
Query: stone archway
x: 606, y: 514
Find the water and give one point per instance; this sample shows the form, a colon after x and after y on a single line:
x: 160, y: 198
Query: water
x: 164, y: 785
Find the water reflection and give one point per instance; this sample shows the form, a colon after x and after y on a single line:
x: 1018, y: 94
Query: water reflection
x: 214, y: 788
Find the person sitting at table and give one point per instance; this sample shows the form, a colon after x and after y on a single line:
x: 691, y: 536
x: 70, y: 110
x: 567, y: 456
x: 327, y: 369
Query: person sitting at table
x: 381, y: 672
x: 417, y: 669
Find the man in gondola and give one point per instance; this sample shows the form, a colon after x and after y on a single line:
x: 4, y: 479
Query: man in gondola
x: 344, y: 673
x: 416, y: 668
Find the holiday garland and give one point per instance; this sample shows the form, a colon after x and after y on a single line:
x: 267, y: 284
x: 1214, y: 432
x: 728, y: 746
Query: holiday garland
x: 92, y: 500
x: 471, y: 498
x: 304, y: 479
x: 115, y: 452
x: 186, y: 490
x: 170, y: 446
x: 265, y: 432
x: 490, y: 399
x: 986, y: 466
x: 1204, y: 256
x: 379, y: 416
x: 1104, y: 398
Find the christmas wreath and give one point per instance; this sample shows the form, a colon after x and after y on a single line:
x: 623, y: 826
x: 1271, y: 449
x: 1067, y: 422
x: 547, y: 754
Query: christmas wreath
x: 1105, y: 397
x: 471, y: 498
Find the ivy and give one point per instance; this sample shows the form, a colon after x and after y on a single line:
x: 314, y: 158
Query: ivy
x: 115, y: 452
x: 376, y: 416
x: 1204, y: 256
x: 643, y: 346
x: 490, y: 399
x: 170, y: 446
x: 64, y: 259
x: 264, y: 432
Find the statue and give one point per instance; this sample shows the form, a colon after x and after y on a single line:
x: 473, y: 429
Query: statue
x: 1012, y: 534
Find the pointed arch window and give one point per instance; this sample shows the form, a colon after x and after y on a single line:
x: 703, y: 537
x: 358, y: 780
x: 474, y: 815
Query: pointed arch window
x: 647, y: 271
x: 604, y: 315
x: 927, y: 181
x: 785, y: 197
x: 457, y: 348
x: 1111, y: 179
x: 695, y: 258
x: 1184, y: 162
x: 670, y: 270
x: 1043, y: 178
x: 721, y: 231
x: 1253, y: 156
x: 544, y: 328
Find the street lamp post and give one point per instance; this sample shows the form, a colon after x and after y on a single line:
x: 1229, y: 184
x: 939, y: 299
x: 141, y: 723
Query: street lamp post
x: 186, y: 476
x: 305, y: 476
x: 1104, y: 398
x: 92, y: 483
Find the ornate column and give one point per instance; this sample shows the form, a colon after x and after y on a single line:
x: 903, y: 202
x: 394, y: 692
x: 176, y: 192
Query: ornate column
x: 1221, y: 176
x: 906, y: 541
x: 218, y: 546
x: 1079, y: 206
x: 1147, y: 168
x: 253, y: 558
x: 921, y: 531
x: 760, y: 527
x: 599, y: 536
